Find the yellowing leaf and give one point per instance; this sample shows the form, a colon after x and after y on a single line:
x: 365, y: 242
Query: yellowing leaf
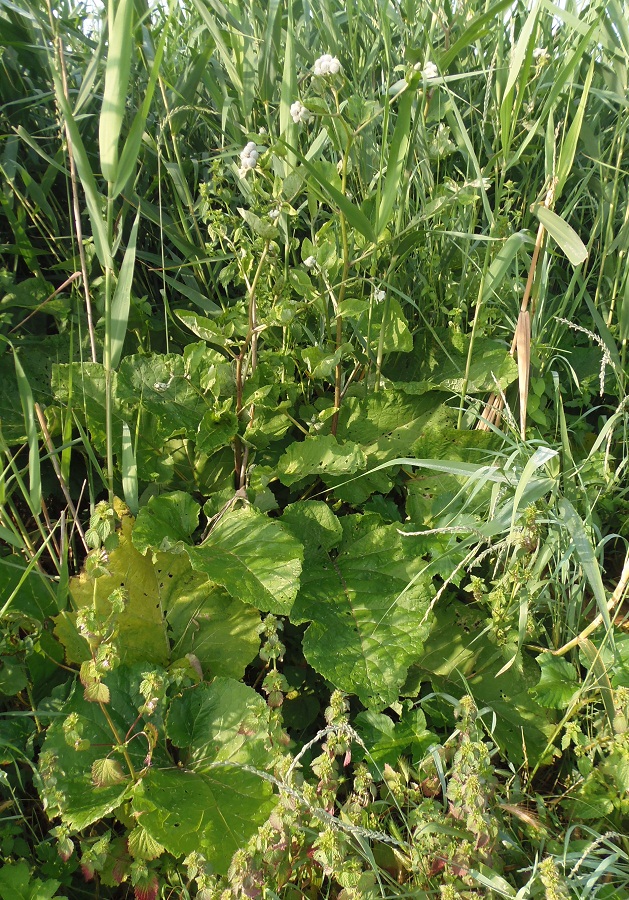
x: 106, y: 772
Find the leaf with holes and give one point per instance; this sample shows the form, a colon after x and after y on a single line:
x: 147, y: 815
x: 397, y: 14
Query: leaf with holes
x: 319, y: 455
x: 141, y: 627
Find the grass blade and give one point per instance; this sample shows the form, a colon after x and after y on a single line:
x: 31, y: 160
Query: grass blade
x: 129, y: 471
x: 117, y: 71
x: 93, y: 198
x: 122, y: 296
x: 569, y: 147
x: 28, y: 408
x: 587, y: 558
x: 523, y: 347
x: 354, y: 215
x: 563, y: 234
x: 131, y: 149
x: 396, y: 160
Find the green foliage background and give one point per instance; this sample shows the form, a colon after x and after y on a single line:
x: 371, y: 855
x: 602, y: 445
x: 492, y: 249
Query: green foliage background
x: 256, y: 502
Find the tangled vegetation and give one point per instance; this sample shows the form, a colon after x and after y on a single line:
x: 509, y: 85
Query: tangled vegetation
x: 314, y: 438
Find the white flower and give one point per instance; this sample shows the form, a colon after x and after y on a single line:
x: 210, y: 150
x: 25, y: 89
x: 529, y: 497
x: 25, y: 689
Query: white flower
x: 262, y: 130
x: 429, y: 71
x: 274, y: 214
x: 299, y: 113
x: 249, y: 157
x: 327, y: 65
x: 310, y: 262
x: 380, y: 295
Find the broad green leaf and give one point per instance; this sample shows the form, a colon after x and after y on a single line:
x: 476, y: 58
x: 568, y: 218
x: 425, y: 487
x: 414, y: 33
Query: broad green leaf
x: 66, y: 785
x: 559, y: 682
x: 459, y: 658
x: 366, y: 608
x: 213, y: 812
x: 385, y: 425
x: 121, y: 301
x: 387, y: 315
x: 107, y: 772
x: 225, y: 719
x: 156, y: 388
x: 566, y: 237
x: 203, y: 620
x: 17, y: 883
x: 166, y: 522
x: 259, y: 226
x: 141, y: 627
x: 253, y: 558
x: 203, y: 327
x: 321, y: 363
x: 438, y: 363
x: 319, y: 455
x: 218, y: 428
x: 117, y: 71
x: 34, y: 595
x: 142, y: 846
x: 314, y: 524
x: 387, y: 740
x: 211, y: 805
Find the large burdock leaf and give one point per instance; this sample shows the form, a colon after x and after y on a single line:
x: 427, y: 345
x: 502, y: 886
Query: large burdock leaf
x: 76, y: 748
x: 171, y: 611
x: 558, y: 683
x: 365, y: 603
x: 460, y: 658
x: 319, y: 455
x: 221, y: 631
x: 254, y: 558
x: 141, y: 627
x: 166, y: 522
x: 158, y: 386
x: 210, y: 804
x: 386, y: 425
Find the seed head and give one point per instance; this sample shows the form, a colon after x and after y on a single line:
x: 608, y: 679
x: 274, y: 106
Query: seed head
x: 327, y: 65
x: 249, y: 157
x: 299, y: 113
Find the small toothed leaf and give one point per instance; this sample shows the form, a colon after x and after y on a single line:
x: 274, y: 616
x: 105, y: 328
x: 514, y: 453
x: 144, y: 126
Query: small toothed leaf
x: 106, y: 772
x: 97, y: 692
x: 147, y: 888
x: 142, y: 846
